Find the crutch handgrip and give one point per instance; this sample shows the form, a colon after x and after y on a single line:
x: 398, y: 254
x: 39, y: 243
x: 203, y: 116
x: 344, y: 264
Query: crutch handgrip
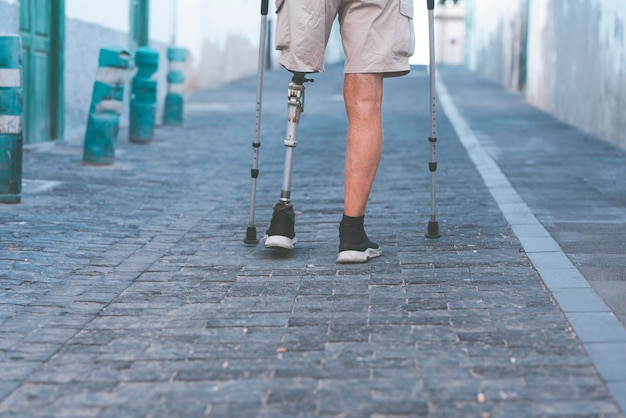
x: 264, y: 7
x: 430, y: 4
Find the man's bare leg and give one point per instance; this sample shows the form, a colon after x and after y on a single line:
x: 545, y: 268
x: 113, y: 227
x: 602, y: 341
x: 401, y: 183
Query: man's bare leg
x: 363, y: 95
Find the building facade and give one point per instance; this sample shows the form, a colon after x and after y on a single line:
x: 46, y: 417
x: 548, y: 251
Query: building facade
x: 567, y: 56
x: 61, y: 41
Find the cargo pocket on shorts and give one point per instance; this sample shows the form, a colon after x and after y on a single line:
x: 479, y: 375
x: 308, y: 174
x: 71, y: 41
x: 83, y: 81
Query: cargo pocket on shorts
x: 405, y: 35
x: 282, y: 37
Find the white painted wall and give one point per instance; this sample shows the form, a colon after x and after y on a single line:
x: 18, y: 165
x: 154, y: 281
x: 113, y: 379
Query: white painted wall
x: 112, y: 14
x: 575, y: 57
x: 163, y: 20
x: 540, y: 83
x: 9, y: 19
x: 577, y: 63
x: 450, y: 33
x: 222, y: 37
x: 420, y: 21
x: 495, y: 39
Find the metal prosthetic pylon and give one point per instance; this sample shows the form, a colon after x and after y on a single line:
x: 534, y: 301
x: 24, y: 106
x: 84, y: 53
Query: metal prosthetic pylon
x: 295, y: 105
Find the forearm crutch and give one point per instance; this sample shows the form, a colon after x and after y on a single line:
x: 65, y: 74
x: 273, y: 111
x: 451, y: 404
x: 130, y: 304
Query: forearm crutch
x: 256, y: 144
x: 433, y: 225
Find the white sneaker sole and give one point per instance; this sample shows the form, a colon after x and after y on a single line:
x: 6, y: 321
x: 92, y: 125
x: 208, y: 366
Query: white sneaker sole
x: 353, y: 256
x: 278, y: 241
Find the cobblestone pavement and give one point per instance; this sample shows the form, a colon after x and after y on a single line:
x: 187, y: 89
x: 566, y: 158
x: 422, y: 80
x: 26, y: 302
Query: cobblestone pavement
x: 128, y: 291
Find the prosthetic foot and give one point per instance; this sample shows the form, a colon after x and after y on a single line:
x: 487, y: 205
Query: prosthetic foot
x: 281, y: 232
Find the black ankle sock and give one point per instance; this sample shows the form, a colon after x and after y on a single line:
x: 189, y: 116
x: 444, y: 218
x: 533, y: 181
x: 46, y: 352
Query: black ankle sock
x: 353, y: 221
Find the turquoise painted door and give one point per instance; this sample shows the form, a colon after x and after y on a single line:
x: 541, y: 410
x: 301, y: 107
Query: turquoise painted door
x: 41, y: 29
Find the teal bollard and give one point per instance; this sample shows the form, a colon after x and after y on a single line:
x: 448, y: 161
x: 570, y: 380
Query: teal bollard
x: 11, y: 105
x: 174, y: 103
x: 143, y: 96
x: 106, y: 106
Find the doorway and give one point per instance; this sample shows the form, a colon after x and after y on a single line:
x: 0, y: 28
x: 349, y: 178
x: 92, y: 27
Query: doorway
x: 42, y: 24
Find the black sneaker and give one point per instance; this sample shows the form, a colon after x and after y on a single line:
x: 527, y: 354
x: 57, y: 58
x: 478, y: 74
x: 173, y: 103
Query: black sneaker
x: 280, y: 233
x: 355, y: 247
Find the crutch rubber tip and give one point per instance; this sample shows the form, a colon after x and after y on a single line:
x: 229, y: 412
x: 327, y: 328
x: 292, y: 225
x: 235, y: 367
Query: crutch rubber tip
x: 433, y: 230
x: 251, y: 236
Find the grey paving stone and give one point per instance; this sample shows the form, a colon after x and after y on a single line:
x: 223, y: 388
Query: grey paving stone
x: 593, y: 327
x: 129, y: 291
x: 579, y: 300
x: 609, y: 358
x: 619, y: 391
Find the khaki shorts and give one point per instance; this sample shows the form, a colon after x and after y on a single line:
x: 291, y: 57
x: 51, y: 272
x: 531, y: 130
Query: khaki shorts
x: 377, y: 35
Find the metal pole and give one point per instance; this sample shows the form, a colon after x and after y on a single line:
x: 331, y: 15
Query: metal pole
x: 11, y: 111
x: 251, y: 237
x: 433, y: 225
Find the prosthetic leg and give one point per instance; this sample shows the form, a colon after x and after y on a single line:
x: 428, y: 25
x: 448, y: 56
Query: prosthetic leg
x: 281, y: 233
